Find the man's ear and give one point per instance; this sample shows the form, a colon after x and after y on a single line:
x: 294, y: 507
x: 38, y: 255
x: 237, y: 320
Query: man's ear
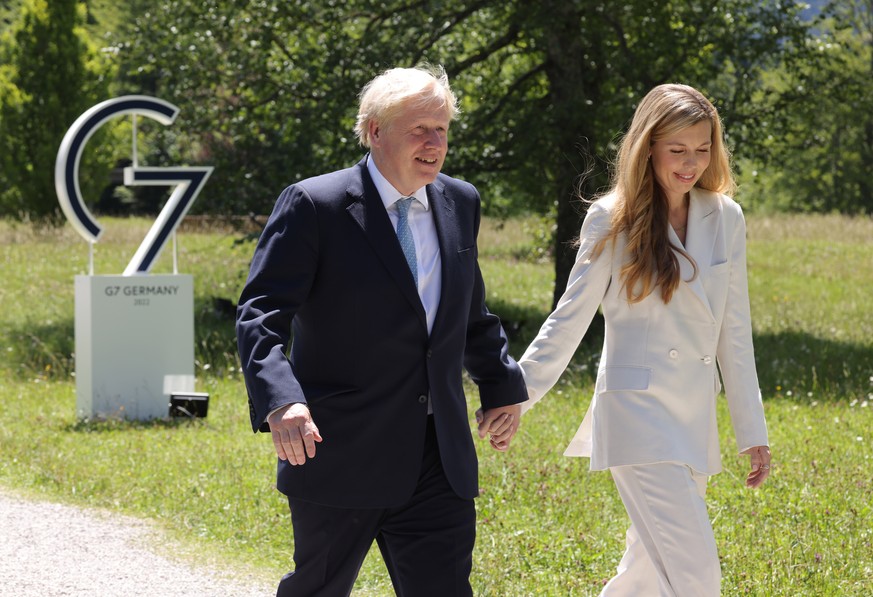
x: 374, y: 131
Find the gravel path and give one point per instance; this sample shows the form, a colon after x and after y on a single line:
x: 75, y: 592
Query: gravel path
x: 49, y: 550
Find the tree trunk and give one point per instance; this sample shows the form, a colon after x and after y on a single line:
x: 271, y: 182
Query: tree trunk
x: 575, y: 73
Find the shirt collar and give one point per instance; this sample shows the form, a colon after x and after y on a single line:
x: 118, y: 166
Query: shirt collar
x: 387, y: 192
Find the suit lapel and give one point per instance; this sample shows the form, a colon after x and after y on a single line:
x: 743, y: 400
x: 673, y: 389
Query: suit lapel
x: 366, y: 208
x: 444, y: 217
x: 703, y: 240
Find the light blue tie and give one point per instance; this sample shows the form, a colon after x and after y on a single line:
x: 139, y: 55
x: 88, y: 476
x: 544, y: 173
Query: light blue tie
x: 404, y: 235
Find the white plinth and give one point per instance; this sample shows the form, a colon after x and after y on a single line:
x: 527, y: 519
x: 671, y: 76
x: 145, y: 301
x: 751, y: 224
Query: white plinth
x: 134, y: 344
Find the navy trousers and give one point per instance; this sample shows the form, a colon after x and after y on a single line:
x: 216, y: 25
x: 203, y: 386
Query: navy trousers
x: 427, y: 543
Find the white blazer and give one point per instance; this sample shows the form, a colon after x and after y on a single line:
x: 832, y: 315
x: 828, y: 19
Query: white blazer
x: 657, y: 382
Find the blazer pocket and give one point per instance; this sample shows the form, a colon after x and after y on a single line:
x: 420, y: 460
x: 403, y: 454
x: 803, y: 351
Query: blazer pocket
x: 626, y: 378
x: 465, y: 251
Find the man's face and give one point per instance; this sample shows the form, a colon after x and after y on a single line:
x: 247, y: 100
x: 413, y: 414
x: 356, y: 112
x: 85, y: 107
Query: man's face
x: 410, y: 150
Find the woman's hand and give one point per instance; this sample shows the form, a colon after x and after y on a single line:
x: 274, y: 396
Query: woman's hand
x: 760, y: 456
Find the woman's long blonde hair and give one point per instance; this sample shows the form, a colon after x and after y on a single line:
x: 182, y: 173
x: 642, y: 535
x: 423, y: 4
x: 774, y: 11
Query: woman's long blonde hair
x: 641, y: 209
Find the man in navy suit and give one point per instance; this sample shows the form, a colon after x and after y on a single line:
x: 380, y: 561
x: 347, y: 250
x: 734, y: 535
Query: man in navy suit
x: 373, y: 270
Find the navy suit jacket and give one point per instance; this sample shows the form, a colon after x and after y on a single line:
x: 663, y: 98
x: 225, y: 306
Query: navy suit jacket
x: 329, y: 272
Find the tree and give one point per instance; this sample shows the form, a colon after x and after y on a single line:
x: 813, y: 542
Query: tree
x: 260, y: 96
x: 550, y: 85
x: 820, y: 156
x: 49, y: 74
x: 595, y: 60
x: 7, y: 9
x: 546, y: 87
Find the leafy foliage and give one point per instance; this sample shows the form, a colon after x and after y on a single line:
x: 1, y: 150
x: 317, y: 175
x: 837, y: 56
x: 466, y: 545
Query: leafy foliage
x: 818, y: 157
x: 49, y: 74
x: 545, y: 87
x: 268, y: 91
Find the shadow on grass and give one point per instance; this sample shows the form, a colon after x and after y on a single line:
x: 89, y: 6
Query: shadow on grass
x: 39, y: 350
x: 47, y: 350
x: 810, y: 367
x: 522, y: 324
x: 813, y: 368
x: 112, y: 424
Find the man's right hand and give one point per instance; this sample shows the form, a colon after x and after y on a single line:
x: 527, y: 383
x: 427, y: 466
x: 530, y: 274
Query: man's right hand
x: 294, y: 433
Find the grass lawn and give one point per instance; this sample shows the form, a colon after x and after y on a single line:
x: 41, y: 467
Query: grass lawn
x: 546, y: 525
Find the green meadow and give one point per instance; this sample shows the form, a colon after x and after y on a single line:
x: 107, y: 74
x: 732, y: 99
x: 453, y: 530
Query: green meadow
x: 546, y: 525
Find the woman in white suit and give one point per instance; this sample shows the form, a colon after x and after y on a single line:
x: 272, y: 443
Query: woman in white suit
x: 663, y: 253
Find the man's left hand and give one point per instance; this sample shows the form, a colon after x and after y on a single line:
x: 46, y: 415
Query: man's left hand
x: 500, y: 423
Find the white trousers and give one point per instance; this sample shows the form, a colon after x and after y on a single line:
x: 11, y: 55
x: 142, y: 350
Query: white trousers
x: 670, y: 546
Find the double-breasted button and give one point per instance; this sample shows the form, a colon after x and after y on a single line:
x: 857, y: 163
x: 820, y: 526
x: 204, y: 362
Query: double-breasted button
x: 674, y: 354
x: 707, y: 360
x: 422, y: 399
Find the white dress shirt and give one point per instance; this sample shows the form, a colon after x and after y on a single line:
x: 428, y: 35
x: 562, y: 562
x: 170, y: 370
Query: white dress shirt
x: 427, y: 247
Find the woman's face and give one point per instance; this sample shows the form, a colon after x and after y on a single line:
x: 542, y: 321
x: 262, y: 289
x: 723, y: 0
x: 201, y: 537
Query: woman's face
x: 679, y: 160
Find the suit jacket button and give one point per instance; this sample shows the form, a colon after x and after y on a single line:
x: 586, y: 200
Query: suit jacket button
x: 674, y: 354
x: 429, y: 353
x: 422, y: 399
x: 707, y: 360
